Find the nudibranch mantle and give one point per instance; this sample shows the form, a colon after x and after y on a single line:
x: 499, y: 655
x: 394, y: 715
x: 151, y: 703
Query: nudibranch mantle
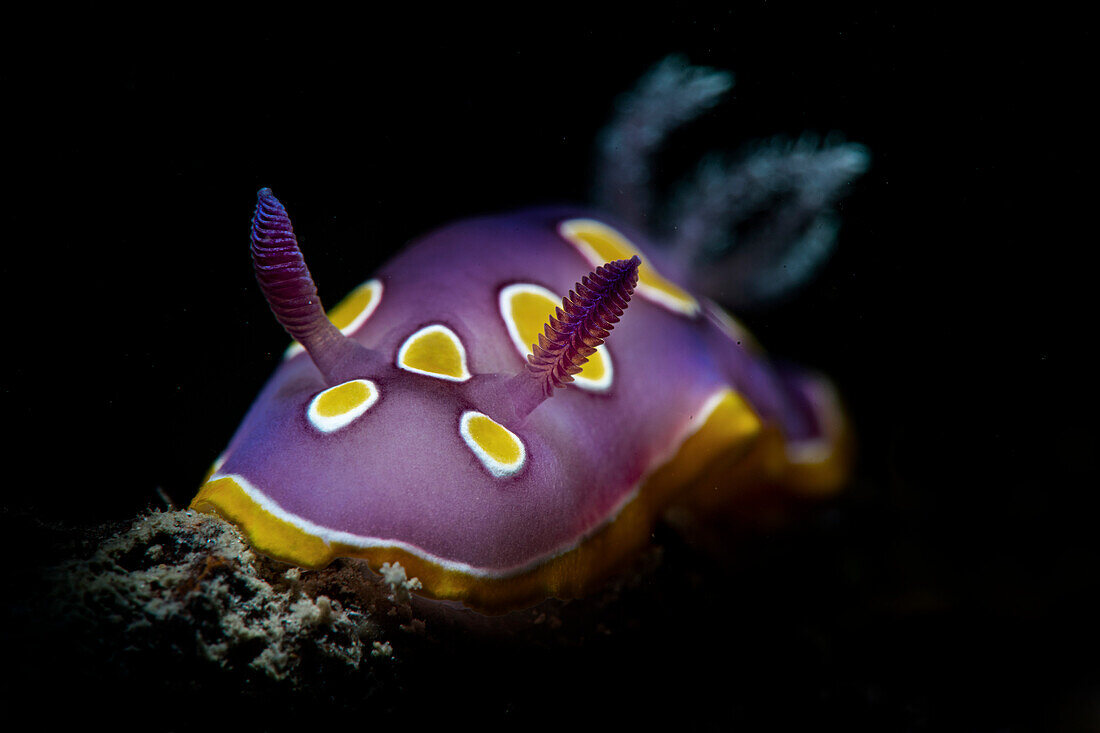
x: 399, y: 481
x: 460, y: 412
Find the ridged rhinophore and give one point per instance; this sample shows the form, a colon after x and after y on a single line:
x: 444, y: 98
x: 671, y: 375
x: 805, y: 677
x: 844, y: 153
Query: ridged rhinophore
x: 584, y: 320
x: 281, y: 270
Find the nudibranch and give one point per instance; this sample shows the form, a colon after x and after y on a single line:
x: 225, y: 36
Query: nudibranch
x: 508, y: 406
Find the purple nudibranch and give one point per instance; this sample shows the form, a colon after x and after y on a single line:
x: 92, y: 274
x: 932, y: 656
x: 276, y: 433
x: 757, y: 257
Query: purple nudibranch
x: 413, y: 423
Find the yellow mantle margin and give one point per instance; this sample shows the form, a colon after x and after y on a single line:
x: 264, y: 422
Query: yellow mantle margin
x: 728, y: 431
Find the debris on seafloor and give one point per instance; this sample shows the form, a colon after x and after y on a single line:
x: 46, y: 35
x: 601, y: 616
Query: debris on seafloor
x: 134, y: 613
x: 178, y: 598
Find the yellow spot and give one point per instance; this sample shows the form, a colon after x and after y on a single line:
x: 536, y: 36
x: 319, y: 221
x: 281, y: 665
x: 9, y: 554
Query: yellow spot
x: 494, y: 439
x: 526, y: 309
x: 351, y: 312
x: 498, y: 448
x: 340, y: 405
x: 342, y: 398
x: 600, y: 243
x: 357, y: 303
x: 435, y: 351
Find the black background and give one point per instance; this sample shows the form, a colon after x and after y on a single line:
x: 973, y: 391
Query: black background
x: 953, y: 585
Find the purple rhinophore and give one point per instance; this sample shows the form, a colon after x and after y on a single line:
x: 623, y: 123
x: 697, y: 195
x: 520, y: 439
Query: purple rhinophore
x: 288, y: 287
x: 584, y: 320
x: 282, y: 272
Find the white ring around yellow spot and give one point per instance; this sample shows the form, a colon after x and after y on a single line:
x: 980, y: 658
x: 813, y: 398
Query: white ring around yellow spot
x: 350, y: 313
x: 497, y: 447
x: 599, y: 244
x: 435, y: 351
x: 337, y: 407
x: 525, y: 308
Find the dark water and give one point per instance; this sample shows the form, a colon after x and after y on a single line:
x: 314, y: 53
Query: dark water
x: 954, y: 585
